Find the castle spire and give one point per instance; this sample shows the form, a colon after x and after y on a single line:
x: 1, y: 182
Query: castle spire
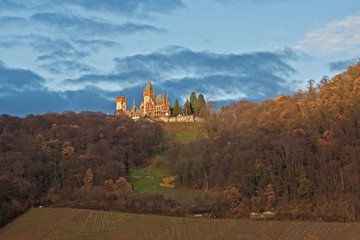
x: 148, y: 85
x: 134, y: 100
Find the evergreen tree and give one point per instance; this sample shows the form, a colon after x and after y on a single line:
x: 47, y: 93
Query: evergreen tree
x: 187, y: 107
x: 193, y: 102
x: 176, y: 109
x: 200, y: 104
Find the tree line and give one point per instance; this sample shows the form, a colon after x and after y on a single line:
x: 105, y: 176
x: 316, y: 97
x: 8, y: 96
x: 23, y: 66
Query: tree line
x: 194, y: 106
x: 298, y: 155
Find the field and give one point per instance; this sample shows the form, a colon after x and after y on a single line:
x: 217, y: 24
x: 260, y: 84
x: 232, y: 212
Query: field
x: 63, y: 223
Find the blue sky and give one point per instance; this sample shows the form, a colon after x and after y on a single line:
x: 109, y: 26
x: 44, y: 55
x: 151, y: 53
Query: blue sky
x: 78, y: 55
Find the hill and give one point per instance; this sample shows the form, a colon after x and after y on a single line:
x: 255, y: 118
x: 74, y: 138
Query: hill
x: 296, y: 155
x: 63, y: 223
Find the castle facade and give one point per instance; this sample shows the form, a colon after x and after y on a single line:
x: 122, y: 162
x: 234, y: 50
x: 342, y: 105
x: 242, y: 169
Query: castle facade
x: 150, y: 106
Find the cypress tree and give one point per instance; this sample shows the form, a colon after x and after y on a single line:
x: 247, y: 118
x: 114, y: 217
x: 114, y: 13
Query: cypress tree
x: 176, y: 109
x: 187, y: 107
x: 193, y: 102
x: 200, y: 104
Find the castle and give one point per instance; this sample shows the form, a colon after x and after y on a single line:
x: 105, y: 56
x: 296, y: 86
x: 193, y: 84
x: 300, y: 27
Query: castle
x: 150, y: 106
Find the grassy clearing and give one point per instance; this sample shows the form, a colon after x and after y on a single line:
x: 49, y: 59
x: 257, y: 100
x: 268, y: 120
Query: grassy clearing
x: 147, y: 180
x: 55, y: 223
x: 181, y: 131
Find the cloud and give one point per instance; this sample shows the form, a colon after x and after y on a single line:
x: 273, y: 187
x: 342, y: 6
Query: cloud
x: 174, y: 70
x: 47, y: 44
x: 63, y: 55
x: 7, y: 43
x: 22, y: 92
x: 76, y: 24
x: 253, y: 76
x: 138, y: 8
x: 11, y: 20
x: 18, y: 79
x: 178, y: 62
x: 37, y: 42
x: 336, y: 36
x: 342, y: 65
x: 66, y: 66
x: 95, y: 44
x: 8, y: 4
x: 110, y: 81
x: 43, y: 101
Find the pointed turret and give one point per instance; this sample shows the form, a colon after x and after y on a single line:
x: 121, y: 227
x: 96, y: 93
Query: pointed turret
x: 149, y: 90
x: 148, y: 85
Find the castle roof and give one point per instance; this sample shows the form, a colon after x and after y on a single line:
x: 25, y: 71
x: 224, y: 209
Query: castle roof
x: 159, y: 98
x: 148, y: 86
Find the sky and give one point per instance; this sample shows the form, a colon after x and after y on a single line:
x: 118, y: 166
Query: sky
x: 78, y: 55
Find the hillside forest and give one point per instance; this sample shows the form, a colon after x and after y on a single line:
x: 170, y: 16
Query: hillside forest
x: 296, y: 156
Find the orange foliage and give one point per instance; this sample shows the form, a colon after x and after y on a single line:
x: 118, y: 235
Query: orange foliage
x: 109, y: 185
x: 233, y: 194
x: 270, y: 195
x: 67, y: 149
x: 122, y: 186
x: 50, y: 146
x: 168, y: 182
x: 89, y: 177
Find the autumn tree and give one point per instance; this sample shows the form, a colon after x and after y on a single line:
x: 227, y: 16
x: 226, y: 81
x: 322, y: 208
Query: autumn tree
x: 270, y: 196
x: 109, y: 185
x: 122, y: 186
x: 233, y: 194
x: 168, y: 182
x: 67, y: 149
x: 89, y: 177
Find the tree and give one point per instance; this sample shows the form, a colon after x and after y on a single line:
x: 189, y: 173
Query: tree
x: 109, y: 185
x: 187, y: 107
x: 89, y: 177
x: 193, y: 102
x: 168, y: 182
x: 122, y: 186
x: 176, y: 109
x: 67, y: 149
x: 270, y: 195
x: 233, y: 194
x: 200, y: 104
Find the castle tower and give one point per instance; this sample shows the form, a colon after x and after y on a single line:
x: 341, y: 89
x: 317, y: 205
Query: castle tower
x: 149, y: 91
x: 120, y: 104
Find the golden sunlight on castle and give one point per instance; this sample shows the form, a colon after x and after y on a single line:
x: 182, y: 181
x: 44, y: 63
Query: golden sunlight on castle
x: 150, y: 106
